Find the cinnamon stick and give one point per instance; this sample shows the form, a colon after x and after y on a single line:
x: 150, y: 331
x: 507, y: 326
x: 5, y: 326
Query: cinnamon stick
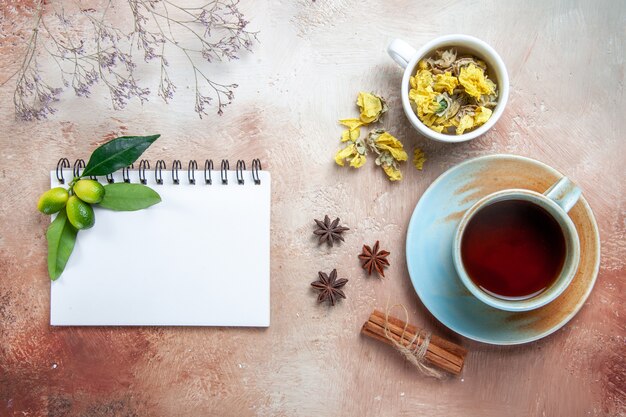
x: 440, y: 352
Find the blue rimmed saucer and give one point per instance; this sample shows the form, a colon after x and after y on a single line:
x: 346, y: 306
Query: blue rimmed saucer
x: 429, y: 251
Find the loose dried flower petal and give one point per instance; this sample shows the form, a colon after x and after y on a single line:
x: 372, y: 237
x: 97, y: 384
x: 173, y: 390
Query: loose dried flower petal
x: 351, y: 123
x: 345, y: 153
x: 419, y: 157
x: 358, y: 161
x: 350, y: 135
x: 372, y: 107
x: 392, y: 172
x: 386, y: 142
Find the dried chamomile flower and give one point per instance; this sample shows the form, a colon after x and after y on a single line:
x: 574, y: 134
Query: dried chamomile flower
x: 444, y: 60
x: 445, y: 82
x: 352, y: 153
x: 482, y: 115
x: 422, y: 93
x: 466, y: 122
x: 393, y: 172
x: 390, y: 152
x: 385, y: 142
x: 471, y: 117
x: 357, y: 161
x: 419, y: 157
x: 465, y: 61
x: 473, y: 80
x: 372, y: 107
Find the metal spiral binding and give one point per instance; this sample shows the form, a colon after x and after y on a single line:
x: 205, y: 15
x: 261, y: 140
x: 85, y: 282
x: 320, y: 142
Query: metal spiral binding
x: 191, y: 171
x: 241, y: 166
x: 78, y: 165
x: 256, y: 167
x: 143, y: 164
x: 125, y: 175
x: 192, y: 166
x: 158, y: 174
x: 176, y: 165
x: 223, y: 171
x: 63, y: 163
x: 208, y: 167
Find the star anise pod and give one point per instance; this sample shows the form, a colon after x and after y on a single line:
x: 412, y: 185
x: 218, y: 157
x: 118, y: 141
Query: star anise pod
x: 329, y: 287
x: 374, y: 259
x: 329, y: 232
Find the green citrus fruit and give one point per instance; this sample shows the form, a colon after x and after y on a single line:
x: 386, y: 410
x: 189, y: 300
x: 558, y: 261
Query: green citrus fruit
x: 79, y: 213
x: 53, y: 200
x: 89, y: 191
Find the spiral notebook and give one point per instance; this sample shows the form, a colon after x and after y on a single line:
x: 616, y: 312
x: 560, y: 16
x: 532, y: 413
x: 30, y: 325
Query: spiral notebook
x: 201, y: 257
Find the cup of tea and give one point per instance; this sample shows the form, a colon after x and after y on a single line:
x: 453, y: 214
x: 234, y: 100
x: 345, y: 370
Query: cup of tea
x: 518, y: 250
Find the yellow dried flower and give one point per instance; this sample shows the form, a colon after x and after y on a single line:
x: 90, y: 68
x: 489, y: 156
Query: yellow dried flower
x: 351, y: 123
x: 434, y: 122
x: 345, y: 153
x: 482, y: 115
x: 466, y: 122
x: 492, y: 86
x: 372, y: 107
x: 389, y: 149
x: 419, y: 157
x: 390, y: 152
x: 423, y: 79
x: 358, y: 161
x: 472, y: 79
x: 445, y: 82
x: 350, y: 135
x: 386, y: 142
x: 393, y: 173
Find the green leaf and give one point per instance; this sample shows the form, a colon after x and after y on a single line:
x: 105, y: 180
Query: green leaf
x: 61, y: 237
x: 122, y: 196
x: 117, y: 154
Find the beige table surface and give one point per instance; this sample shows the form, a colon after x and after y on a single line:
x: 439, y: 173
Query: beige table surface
x: 566, y: 108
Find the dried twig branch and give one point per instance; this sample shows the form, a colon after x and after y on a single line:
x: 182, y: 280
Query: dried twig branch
x: 104, y: 53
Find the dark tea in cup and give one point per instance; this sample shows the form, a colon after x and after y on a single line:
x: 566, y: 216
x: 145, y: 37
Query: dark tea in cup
x: 513, y: 249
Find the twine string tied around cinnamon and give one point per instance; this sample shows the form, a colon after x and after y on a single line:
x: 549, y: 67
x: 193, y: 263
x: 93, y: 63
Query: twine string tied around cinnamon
x: 421, y: 340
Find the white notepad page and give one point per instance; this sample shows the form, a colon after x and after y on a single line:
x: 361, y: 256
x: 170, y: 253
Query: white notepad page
x: 201, y: 257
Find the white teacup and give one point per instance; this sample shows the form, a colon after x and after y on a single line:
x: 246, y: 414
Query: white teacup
x: 556, y: 201
x: 407, y: 57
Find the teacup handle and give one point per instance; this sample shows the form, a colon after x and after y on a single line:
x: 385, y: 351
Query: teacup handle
x: 401, y: 52
x: 564, y: 193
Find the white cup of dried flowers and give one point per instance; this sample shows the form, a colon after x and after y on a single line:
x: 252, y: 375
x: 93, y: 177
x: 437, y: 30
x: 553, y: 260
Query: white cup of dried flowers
x: 454, y: 88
